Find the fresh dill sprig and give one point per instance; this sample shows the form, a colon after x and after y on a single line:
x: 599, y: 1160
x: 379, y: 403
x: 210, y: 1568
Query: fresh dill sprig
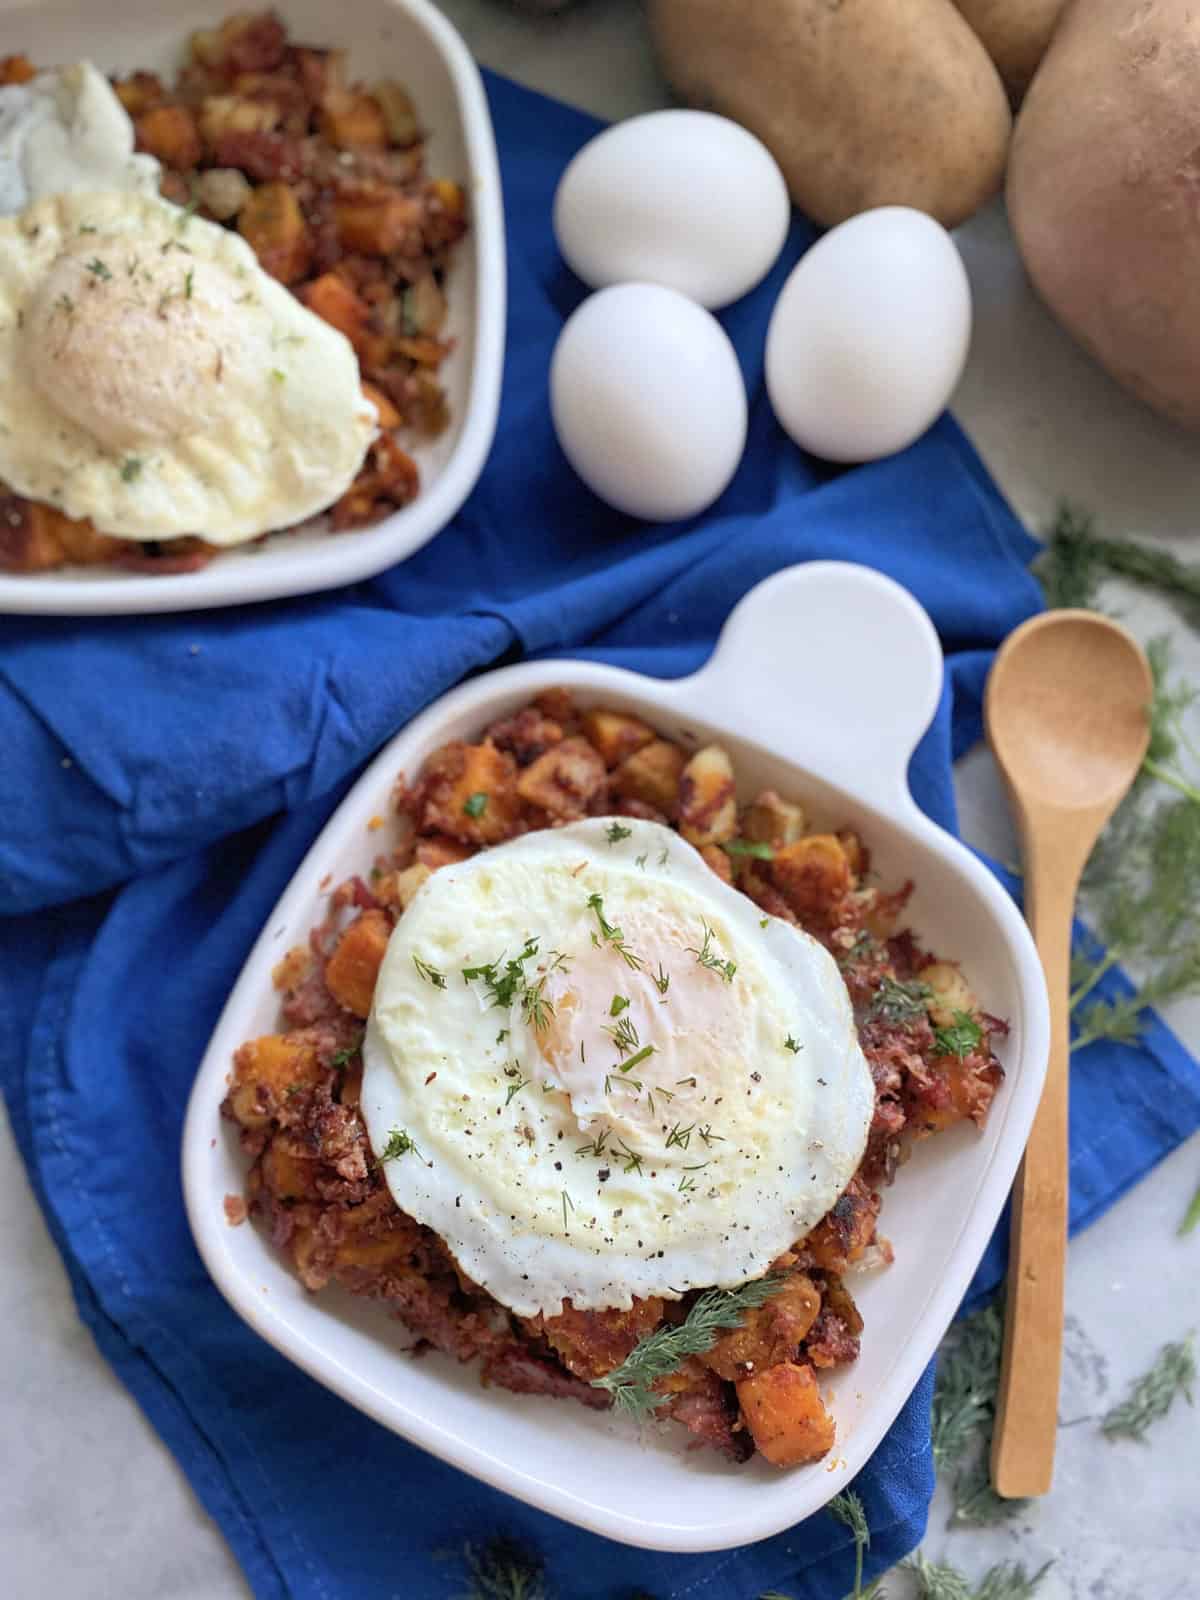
x: 502, y: 1570
x: 940, y: 1581
x: 614, y: 833
x: 1151, y: 1397
x: 624, y: 1035
x: 612, y: 935
x: 1076, y: 561
x: 976, y: 1503
x: 968, y: 1375
x: 708, y: 956
x: 535, y: 1007
x: 341, y: 1058
x: 659, y: 1353
x: 1191, y: 1216
x: 849, y: 1510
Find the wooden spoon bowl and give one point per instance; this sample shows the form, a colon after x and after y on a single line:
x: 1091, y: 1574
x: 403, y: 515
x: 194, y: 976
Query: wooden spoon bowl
x: 1067, y: 719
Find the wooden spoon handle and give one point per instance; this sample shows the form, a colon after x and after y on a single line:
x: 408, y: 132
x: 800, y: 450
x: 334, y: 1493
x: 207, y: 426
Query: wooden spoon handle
x: 1027, y: 1402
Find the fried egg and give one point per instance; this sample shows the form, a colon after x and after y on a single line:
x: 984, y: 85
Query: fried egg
x: 598, y: 1072
x: 155, y: 380
x: 67, y: 131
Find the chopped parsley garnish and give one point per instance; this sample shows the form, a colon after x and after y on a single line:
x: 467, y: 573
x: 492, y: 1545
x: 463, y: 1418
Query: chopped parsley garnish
x: 620, y: 1003
x: 963, y: 1036
x: 505, y: 987
x: 341, y: 1059
x: 709, y: 957
x: 793, y: 1045
x: 98, y: 270
x: 131, y: 469
x: 749, y: 847
x: 430, y: 974
x: 399, y: 1143
x: 476, y: 804
x: 614, y: 833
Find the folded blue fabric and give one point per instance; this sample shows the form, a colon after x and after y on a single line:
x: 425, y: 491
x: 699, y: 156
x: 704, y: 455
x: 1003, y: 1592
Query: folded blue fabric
x: 157, y: 754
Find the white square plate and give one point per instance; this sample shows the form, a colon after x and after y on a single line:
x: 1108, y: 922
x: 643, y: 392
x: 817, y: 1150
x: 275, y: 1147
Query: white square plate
x: 411, y: 41
x: 822, y: 682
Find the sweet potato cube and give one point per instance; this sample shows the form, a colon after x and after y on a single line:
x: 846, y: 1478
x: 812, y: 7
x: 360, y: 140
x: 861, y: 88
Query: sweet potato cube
x: 707, y: 801
x: 273, y: 225
x: 353, y: 121
x: 652, y: 775
x: 352, y: 969
x: 769, y: 1333
x: 287, y: 1172
x: 170, y: 133
x: 375, y: 225
x: 813, y: 875
x: 264, y: 1070
x: 335, y: 302
x: 470, y: 794
x: 783, y: 1409
x: 616, y: 735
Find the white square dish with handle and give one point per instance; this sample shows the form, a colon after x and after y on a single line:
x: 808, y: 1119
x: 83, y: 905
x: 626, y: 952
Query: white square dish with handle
x: 822, y: 682
x: 412, y: 42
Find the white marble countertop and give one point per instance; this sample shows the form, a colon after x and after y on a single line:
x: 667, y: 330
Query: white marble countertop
x: 83, y: 1465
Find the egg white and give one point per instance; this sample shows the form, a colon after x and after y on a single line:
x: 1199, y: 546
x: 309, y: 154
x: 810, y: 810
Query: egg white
x: 550, y: 1171
x: 155, y: 380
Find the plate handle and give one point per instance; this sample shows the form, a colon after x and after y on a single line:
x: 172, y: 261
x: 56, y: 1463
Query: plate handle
x: 835, y: 666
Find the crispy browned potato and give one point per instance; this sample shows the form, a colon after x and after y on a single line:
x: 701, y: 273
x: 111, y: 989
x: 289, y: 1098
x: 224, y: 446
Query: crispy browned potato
x: 353, y: 967
x: 170, y: 134
x: 651, y: 775
x: 813, y: 874
x: 265, y: 1070
x: 470, y: 793
x: 769, y: 1333
x: 707, y: 798
x: 784, y: 1411
x: 375, y: 224
x: 353, y: 121
x: 615, y: 734
x: 846, y: 1230
x: 591, y: 1343
x: 273, y: 224
x: 773, y: 821
x: 563, y: 781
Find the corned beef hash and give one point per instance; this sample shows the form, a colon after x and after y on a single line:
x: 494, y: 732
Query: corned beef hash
x: 221, y: 302
x: 600, y: 1077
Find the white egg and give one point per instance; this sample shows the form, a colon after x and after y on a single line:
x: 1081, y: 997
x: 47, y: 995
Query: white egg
x: 605, y: 1076
x: 682, y: 198
x: 869, y: 336
x: 648, y: 401
x: 66, y: 132
x: 155, y: 379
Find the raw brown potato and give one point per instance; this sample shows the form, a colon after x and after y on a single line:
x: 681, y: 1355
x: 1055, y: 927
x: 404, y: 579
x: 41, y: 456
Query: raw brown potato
x: 1104, y: 193
x: 1015, y: 33
x: 861, y: 104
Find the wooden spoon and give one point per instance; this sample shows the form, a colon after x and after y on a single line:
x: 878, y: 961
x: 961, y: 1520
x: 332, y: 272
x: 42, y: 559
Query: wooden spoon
x: 1067, y: 719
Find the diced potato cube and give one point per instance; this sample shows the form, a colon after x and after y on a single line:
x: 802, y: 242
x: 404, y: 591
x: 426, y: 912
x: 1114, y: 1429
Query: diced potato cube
x: 813, y: 875
x: 353, y: 967
x: 773, y: 821
x: 439, y: 850
x: 719, y: 861
x: 783, y: 1409
x: 471, y: 793
x: 223, y: 191
x: 707, y: 801
x: 652, y: 775
x: 273, y: 225
x: 409, y: 881
x: 564, y: 780
x: 170, y: 134
x: 376, y: 225
x: 769, y: 1333
x: 389, y: 417
x: 616, y: 735
x: 223, y: 114
x: 264, y: 1070
x: 950, y: 992
x: 335, y: 302
x: 137, y: 93
x: 399, y: 113
x: 287, y: 1172
x: 16, y: 69
x: 353, y: 121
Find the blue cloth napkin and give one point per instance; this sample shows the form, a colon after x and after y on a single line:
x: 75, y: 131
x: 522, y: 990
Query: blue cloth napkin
x: 161, y: 781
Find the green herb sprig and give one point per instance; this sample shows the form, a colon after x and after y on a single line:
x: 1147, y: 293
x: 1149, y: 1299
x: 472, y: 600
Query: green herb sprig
x: 709, y: 956
x: 849, y: 1510
x: 500, y: 1569
x: 1151, y: 1397
x: 960, y: 1038
x: 659, y: 1353
x: 940, y: 1581
x: 964, y: 1410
